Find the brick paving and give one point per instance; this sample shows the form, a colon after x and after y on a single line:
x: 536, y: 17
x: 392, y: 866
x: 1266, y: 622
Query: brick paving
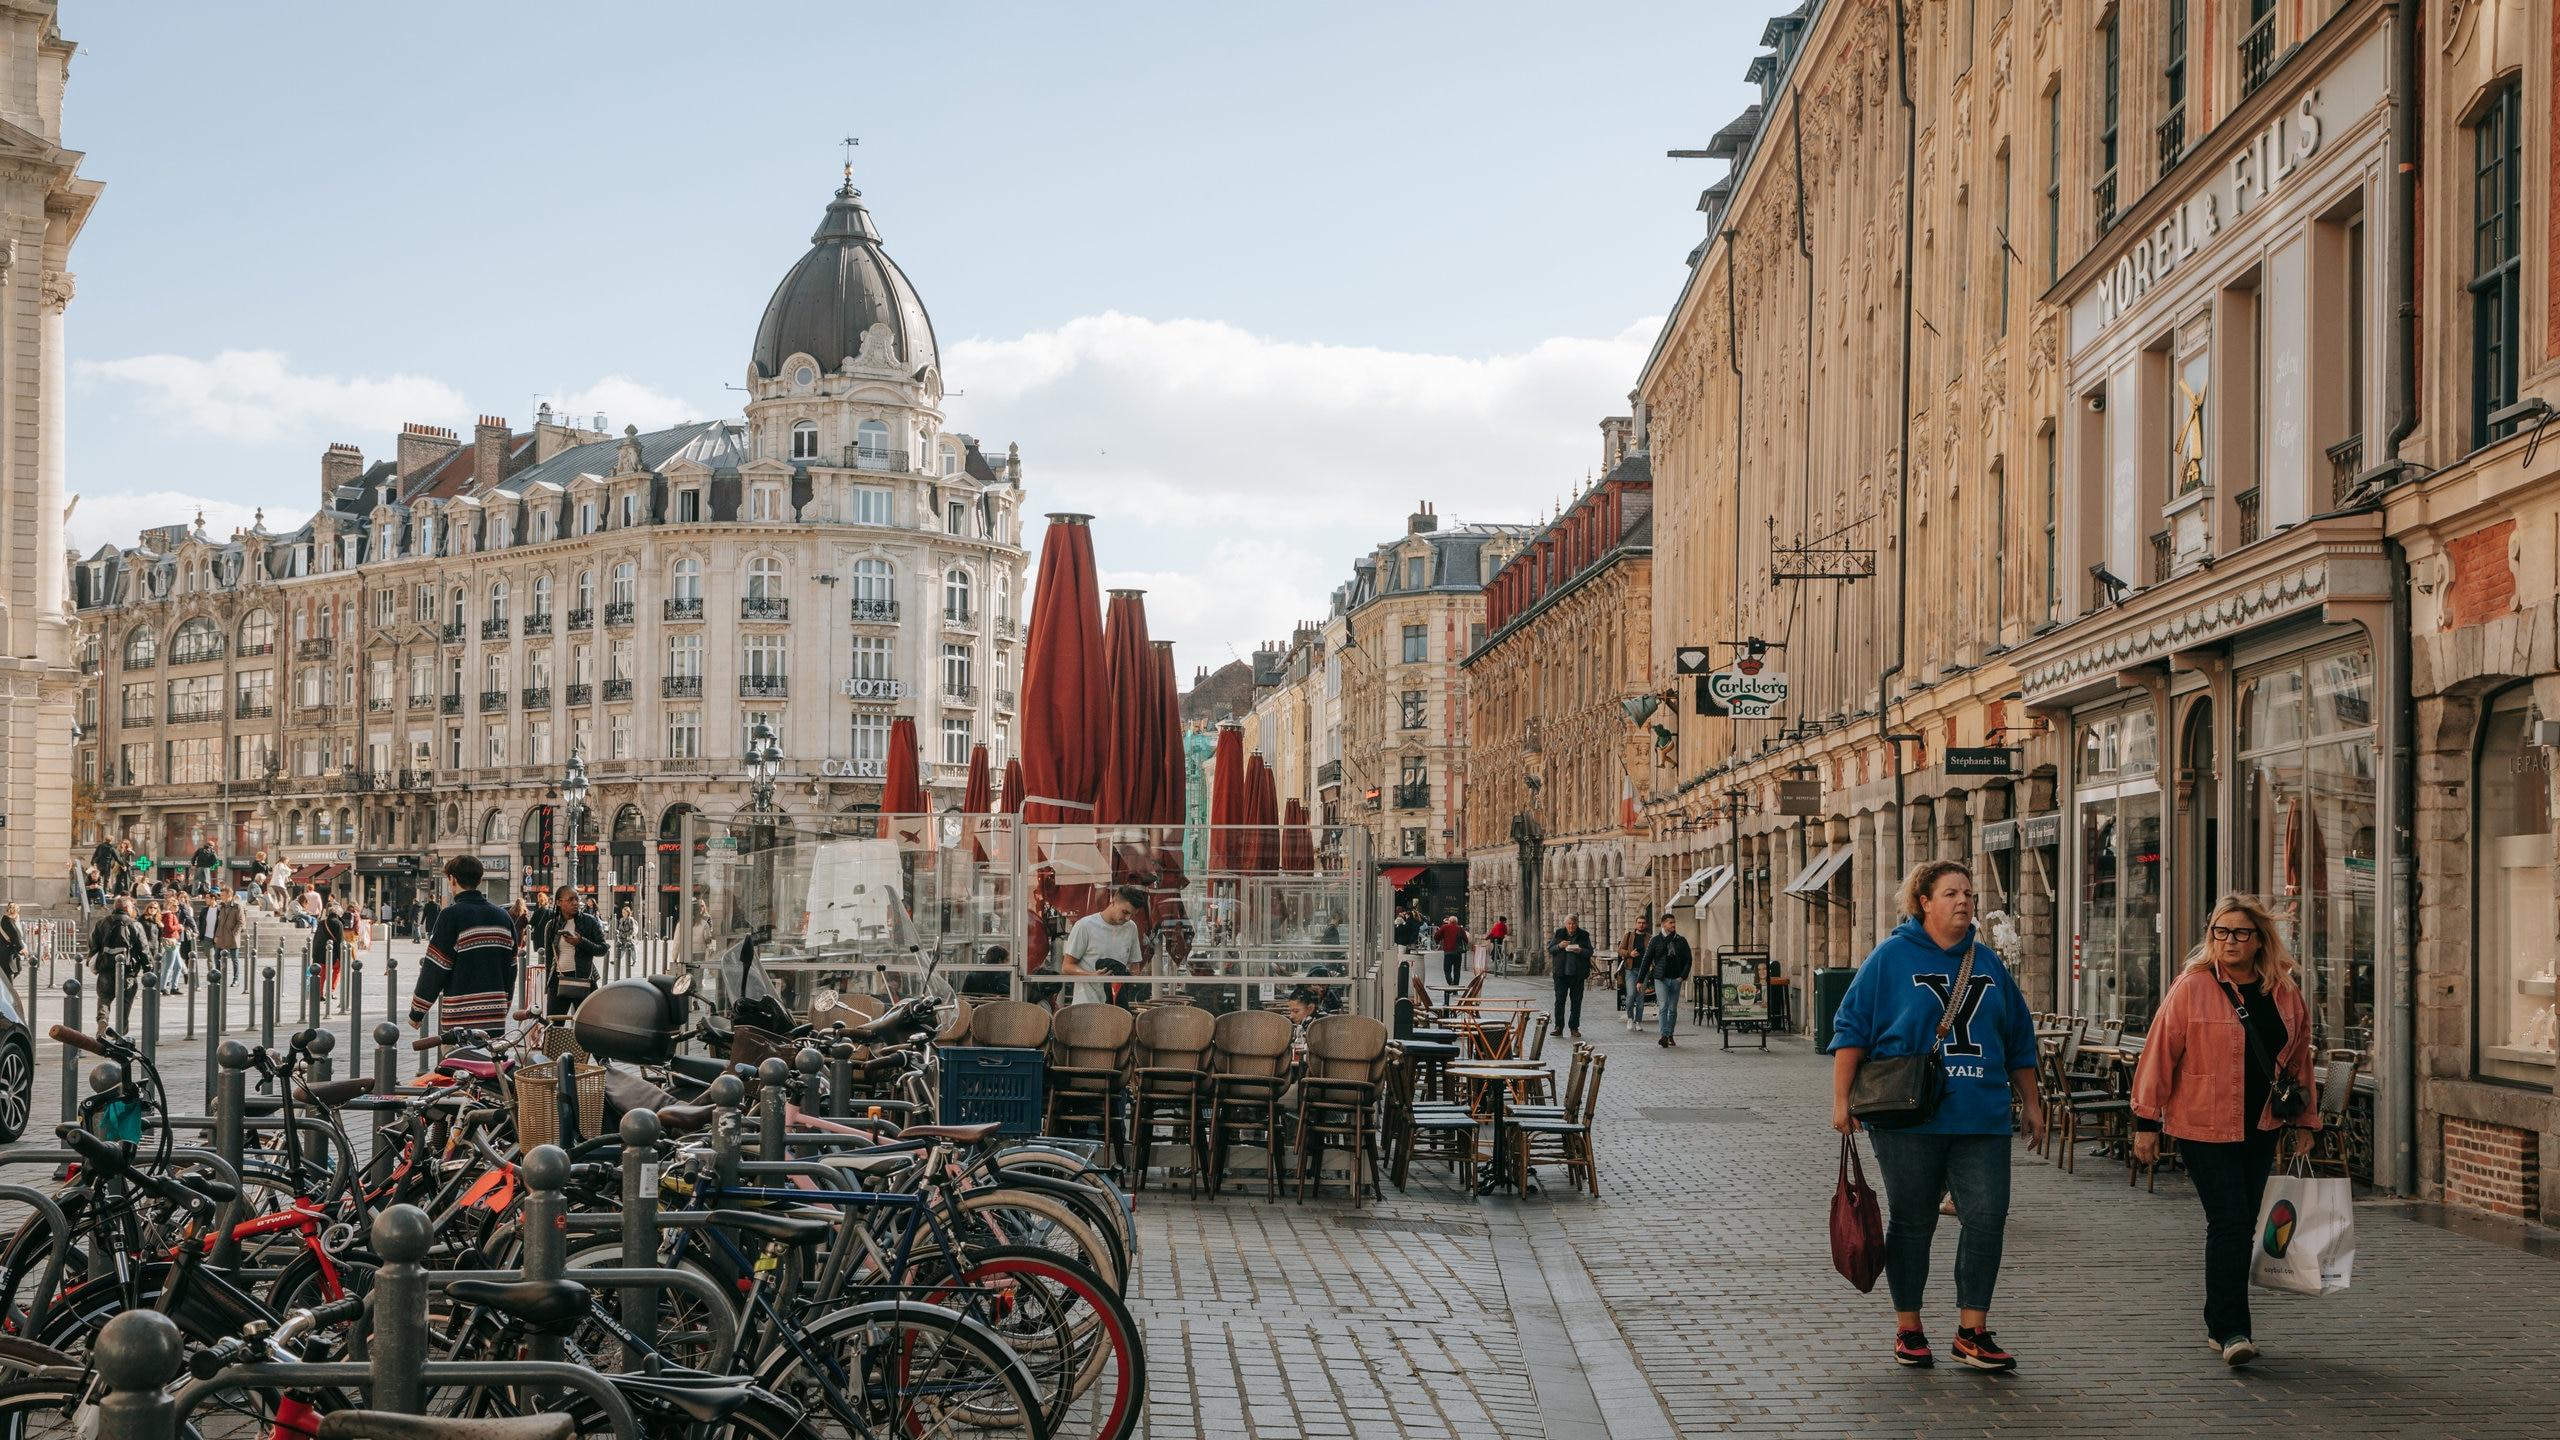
x: 1696, y: 1297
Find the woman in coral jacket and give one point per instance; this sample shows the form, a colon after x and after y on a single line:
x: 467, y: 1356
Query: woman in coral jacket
x: 2232, y: 1024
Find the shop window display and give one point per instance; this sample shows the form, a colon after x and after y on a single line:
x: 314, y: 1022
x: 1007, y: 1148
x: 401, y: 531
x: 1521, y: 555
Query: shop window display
x: 2116, y: 956
x: 2308, y: 805
x: 2518, y: 954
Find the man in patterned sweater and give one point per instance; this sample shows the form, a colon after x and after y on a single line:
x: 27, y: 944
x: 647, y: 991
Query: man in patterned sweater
x: 471, y: 958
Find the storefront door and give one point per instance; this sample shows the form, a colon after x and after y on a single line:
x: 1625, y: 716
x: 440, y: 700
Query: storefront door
x: 2116, y: 965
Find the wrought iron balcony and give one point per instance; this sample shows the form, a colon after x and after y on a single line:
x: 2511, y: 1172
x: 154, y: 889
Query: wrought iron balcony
x: 1008, y: 627
x: 1414, y: 797
x: 538, y: 624
x: 142, y: 662
x: 316, y: 648
x: 2258, y: 53
x: 687, y: 608
x: 582, y: 619
x: 960, y: 694
x: 680, y: 687
x: 263, y: 647
x: 617, y: 612
x: 764, y: 607
x: 251, y: 709
x: 537, y: 697
x: 894, y: 461
x: 195, y: 654
x: 355, y: 781
x: 868, y: 611
x: 2346, y: 462
x: 377, y: 705
x: 959, y: 617
x: 422, y: 701
x: 2105, y: 194
x: 2160, y: 556
x: 617, y: 689
x: 2246, y: 502
x: 449, y: 704
x: 451, y: 634
x: 492, y: 700
x: 190, y: 714
x: 763, y: 686
x: 1004, y: 699
x: 581, y: 694
x: 494, y: 628
x: 2173, y: 139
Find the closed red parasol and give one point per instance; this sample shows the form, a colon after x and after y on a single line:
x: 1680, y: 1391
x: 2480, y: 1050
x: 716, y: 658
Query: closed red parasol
x: 1297, y: 847
x: 1227, y: 803
x: 1064, y: 698
x: 979, y: 797
x: 1172, y: 787
x: 901, y: 791
x: 1128, y: 716
x: 1262, y: 803
x: 1010, y: 802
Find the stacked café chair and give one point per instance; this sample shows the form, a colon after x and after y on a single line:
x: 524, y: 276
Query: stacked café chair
x: 1089, y: 1051
x: 1168, y: 1085
x: 1248, y: 1072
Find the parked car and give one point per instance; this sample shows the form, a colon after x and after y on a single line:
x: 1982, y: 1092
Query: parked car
x: 17, y: 1069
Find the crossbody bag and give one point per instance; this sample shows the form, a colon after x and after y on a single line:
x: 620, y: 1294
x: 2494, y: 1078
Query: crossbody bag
x: 2286, y: 1098
x: 1904, y: 1090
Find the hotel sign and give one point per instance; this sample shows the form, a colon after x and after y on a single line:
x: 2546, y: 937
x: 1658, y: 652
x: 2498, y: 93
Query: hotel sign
x: 2252, y: 176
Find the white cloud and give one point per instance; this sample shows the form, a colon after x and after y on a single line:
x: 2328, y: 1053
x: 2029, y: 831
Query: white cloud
x: 120, y: 519
x: 256, y: 396
x: 1236, y: 476
x: 624, y: 401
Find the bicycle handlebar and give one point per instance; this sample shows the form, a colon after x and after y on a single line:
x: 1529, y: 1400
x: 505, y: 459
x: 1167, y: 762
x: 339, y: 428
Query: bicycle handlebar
x: 79, y: 1040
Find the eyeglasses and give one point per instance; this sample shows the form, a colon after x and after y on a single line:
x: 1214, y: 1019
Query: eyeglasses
x: 2233, y: 934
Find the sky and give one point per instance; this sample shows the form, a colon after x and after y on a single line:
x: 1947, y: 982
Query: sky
x: 1244, y: 282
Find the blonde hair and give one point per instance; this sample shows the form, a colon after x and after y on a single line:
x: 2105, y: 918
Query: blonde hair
x: 1924, y: 878
x: 2275, y: 962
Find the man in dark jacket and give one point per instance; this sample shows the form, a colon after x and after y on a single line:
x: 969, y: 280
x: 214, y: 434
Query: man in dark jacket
x: 1569, y: 962
x: 1666, y: 958
x: 113, y: 872
x: 204, y: 863
x: 575, y: 958
x: 119, y: 951
x: 470, y: 965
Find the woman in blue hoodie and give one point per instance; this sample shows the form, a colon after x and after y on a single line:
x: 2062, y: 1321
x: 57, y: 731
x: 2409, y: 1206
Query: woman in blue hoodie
x: 1893, y: 1008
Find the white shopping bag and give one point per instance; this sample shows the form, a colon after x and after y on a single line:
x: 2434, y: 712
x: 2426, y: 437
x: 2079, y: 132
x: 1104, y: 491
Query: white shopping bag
x: 1483, y: 961
x: 2306, y: 1236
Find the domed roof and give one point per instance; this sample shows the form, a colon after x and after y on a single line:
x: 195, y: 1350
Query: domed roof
x: 841, y: 288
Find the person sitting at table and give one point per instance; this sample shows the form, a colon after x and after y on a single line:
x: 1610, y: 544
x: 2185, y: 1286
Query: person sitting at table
x: 1303, y: 1009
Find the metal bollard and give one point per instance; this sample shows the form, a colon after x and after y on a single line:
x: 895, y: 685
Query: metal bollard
x: 391, y: 990
x: 772, y: 1123
x: 354, y: 987
x: 545, y: 1173
x: 267, y: 1011
x: 725, y: 1095
x: 398, y: 1353
x: 315, y: 1148
x: 639, y: 1230
x: 386, y: 1057
x: 313, y: 961
x: 150, y: 1036
x: 840, y: 1081
x: 805, y: 1085
x: 138, y: 1356
x: 216, y: 1002
x: 70, y: 1057
x: 230, y: 1130
x: 354, y: 1010
x: 193, y: 973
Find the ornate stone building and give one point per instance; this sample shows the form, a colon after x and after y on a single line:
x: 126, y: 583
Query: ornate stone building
x: 1553, y: 761
x: 1411, y: 612
x: 405, y: 676
x: 43, y: 204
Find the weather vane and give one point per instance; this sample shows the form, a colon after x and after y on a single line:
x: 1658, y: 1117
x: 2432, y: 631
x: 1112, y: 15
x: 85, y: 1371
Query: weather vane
x: 848, y: 143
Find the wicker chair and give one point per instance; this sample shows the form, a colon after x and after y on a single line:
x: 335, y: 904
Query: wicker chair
x: 1338, y: 1098
x: 1089, y: 1048
x: 1167, y: 1083
x: 1017, y: 1024
x: 1565, y: 1139
x: 1248, y: 1070
x: 2337, y: 1071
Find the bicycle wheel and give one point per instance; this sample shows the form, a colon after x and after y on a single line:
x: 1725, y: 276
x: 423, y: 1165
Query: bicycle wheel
x: 1077, y: 1339
x: 1012, y: 1216
x: 51, y: 1407
x: 907, y: 1369
x: 685, y: 1335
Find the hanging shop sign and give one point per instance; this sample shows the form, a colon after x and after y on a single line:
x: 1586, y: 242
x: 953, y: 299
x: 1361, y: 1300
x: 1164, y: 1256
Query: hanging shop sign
x: 1998, y: 836
x: 1693, y: 659
x: 1981, y: 760
x: 1735, y: 694
x: 1800, y: 797
x: 2040, y: 832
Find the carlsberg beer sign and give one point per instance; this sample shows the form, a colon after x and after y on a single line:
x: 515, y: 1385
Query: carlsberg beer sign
x: 1745, y: 692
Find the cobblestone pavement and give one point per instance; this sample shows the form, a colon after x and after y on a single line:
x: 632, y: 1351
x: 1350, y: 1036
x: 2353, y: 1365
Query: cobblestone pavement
x: 1696, y: 1297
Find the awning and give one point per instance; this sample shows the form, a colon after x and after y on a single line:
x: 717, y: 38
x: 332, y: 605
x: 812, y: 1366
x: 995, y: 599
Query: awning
x: 1718, y: 879
x: 1812, y: 863
x: 1690, y: 887
x: 320, y: 874
x: 1817, y: 882
x: 1401, y: 875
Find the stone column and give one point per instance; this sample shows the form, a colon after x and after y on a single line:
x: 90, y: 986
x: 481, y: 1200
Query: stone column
x: 1955, y: 829
x: 1861, y: 914
x: 2038, y: 924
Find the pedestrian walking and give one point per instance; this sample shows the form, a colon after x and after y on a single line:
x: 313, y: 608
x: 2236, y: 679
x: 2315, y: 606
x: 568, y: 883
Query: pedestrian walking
x: 328, y: 944
x: 119, y: 951
x: 1666, y: 962
x: 230, y: 924
x: 576, y: 954
x: 528, y: 950
x: 2226, y: 1069
x: 1932, y: 987
x: 173, y: 941
x: 1453, y: 941
x: 470, y: 966
x: 13, y: 945
x: 626, y: 941
x: 1406, y: 928
x: 1569, y: 964
x: 1635, y: 977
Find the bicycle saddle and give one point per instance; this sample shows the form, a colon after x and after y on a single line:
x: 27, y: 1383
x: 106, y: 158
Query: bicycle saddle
x: 956, y: 1134
x: 703, y: 1399
x: 384, y: 1425
x: 674, y: 1120
x: 333, y: 1093
x: 705, y: 1067
x: 553, y: 1307
x: 789, y: 1229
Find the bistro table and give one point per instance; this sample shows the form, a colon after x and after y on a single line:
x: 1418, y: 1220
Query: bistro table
x: 1496, y: 1078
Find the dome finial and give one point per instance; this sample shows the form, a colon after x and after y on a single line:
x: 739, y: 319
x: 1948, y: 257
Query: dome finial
x: 848, y: 142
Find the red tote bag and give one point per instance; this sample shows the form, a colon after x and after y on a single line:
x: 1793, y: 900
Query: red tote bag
x: 1857, y: 1227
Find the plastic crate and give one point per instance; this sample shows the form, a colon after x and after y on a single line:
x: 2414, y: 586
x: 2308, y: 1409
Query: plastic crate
x: 987, y: 1082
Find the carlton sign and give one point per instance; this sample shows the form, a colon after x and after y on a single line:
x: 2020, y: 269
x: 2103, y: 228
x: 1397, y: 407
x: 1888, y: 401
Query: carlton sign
x: 1736, y: 695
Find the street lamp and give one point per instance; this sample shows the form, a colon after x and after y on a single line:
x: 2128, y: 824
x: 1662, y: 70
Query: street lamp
x: 764, y: 762
x: 573, y: 790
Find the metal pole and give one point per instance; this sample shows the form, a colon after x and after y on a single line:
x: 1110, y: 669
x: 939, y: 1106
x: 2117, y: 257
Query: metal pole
x: 194, y: 973
x: 639, y: 1229
x: 386, y: 1057
x: 391, y: 990
x: 774, y: 1079
x: 138, y: 1356
x: 724, y: 1095
x: 398, y: 1353
x: 546, y: 1233
x: 840, y: 1080
x: 150, y: 1037
x: 313, y: 961
x: 354, y: 985
x: 315, y: 1147
x: 355, y: 1015
x: 214, y: 1020
x: 230, y: 1108
x: 70, y: 1057
x: 267, y: 1011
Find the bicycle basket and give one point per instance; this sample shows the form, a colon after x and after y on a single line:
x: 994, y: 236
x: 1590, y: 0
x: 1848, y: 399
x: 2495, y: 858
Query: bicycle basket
x: 538, y: 1102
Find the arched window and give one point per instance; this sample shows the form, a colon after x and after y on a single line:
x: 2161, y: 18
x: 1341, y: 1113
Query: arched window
x: 626, y: 585
x: 293, y: 827
x: 586, y: 589
x: 141, y: 647
x: 804, y: 440
x: 497, y: 599
x: 542, y: 595
x: 955, y: 595
x: 347, y: 824
x: 197, y: 640
x: 764, y: 578
x: 688, y: 579
x: 627, y: 823
x: 461, y: 603
x: 871, y: 444
x: 322, y: 831
x: 257, y: 632
x: 493, y: 828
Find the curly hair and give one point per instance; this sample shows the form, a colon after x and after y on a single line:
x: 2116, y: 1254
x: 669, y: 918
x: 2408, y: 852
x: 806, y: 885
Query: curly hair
x: 1924, y: 878
x: 2275, y: 962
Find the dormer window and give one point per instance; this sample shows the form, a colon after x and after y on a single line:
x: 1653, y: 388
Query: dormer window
x: 766, y: 503
x: 501, y: 531
x: 586, y: 517
x: 871, y: 445
x: 1413, y: 572
x: 542, y: 525
x: 630, y: 508
x: 950, y: 461
x: 804, y: 440
x: 955, y: 518
x: 688, y: 505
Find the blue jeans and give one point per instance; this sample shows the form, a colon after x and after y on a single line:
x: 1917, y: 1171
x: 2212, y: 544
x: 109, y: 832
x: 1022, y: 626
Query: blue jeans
x: 1918, y: 1169
x: 1669, y: 992
x: 1637, y: 989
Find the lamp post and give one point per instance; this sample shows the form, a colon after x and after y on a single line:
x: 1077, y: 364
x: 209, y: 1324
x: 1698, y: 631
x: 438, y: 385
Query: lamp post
x: 573, y: 792
x: 764, y: 764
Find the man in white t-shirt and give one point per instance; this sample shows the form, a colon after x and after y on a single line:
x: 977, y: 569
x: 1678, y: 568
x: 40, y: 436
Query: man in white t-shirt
x: 1103, y: 943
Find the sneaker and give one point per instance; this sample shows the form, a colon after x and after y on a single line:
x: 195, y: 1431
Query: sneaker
x: 1911, y: 1347
x: 1576, y: 1034
x: 1664, y: 1043
x: 2239, y: 1351
x: 1977, y: 1349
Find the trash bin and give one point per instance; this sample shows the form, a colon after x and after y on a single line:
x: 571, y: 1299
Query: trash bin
x: 1829, y: 983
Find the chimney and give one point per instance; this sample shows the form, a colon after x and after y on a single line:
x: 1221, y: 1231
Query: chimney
x: 421, y: 446
x: 340, y: 464
x: 488, y: 452
x: 1422, y: 520
x: 1617, y: 437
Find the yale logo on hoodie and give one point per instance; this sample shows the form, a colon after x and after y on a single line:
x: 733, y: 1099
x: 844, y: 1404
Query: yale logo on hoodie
x: 1893, y: 1008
